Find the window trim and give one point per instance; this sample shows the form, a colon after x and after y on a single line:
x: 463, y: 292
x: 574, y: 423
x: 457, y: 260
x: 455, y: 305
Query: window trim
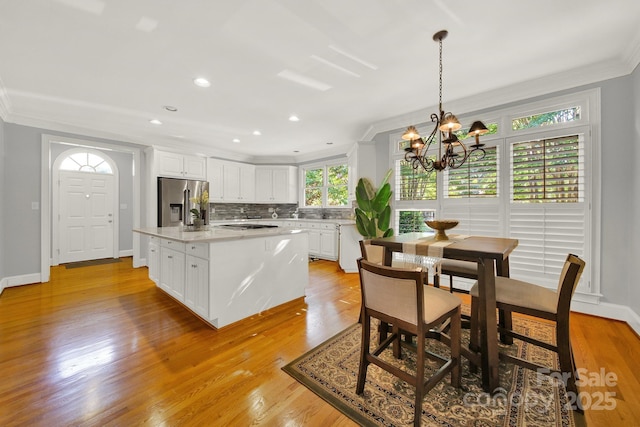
x: 322, y: 165
x: 589, y: 123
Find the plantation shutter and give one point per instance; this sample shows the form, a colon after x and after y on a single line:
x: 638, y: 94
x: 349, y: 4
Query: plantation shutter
x: 547, y: 210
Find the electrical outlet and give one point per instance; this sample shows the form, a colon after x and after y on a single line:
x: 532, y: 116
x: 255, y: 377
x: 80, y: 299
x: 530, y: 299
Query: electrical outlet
x: 270, y: 209
x: 241, y: 210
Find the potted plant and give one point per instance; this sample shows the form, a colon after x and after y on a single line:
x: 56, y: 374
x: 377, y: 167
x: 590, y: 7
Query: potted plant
x: 373, y: 214
x: 198, y: 214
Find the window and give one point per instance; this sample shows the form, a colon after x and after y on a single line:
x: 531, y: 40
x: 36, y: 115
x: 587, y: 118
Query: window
x: 545, y: 119
x: 542, y: 154
x: 414, y: 184
x: 326, y: 186
x: 547, y: 171
x: 475, y: 178
x: 86, y: 162
x: 410, y: 220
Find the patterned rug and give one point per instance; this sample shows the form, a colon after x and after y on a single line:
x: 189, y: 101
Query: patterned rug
x: 527, y: 398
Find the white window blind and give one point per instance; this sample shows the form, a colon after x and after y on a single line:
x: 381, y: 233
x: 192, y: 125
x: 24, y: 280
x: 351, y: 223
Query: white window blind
x: 548, y: 213
x: 475, y: 178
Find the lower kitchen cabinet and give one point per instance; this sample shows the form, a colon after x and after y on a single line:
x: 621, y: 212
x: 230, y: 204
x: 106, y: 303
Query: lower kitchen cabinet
x: 323, y: 240
x: 172, y: 277
x: 227, y: 280
x: 154, y: 259
x: 196, y: 293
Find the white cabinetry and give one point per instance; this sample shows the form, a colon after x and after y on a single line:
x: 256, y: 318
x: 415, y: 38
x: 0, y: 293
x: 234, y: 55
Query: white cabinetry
x: 181, y: 165
x: 172, y: 265
x: 223, y: 281
x: 215, y: 176
x: 184, y: 273
x: 276, y: 184
x: 196, y: 293
x: 154, y: 259
x: 231, y: 182
x: 323, y: 239
x: 329, y: 242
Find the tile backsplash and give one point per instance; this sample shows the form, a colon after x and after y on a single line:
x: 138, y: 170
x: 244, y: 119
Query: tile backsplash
x: 223, y: 211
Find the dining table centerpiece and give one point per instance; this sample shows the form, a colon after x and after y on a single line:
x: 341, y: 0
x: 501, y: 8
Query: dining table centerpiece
x: 441, y: 225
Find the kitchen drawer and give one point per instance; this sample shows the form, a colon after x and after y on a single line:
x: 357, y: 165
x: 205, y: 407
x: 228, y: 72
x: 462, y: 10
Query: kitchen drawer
x: 313, y: 225
x: 328, y: 226
x: 200, y: 250
x: 177, y: 246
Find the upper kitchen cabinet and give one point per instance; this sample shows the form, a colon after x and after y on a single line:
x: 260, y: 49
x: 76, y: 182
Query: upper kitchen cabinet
x: 276, y: 184
x: 231, y: 182
x: 361, y: 160
x: 181, y: 165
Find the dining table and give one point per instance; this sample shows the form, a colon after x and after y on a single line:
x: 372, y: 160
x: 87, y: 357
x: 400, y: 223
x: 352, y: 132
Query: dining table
x: 492, y: 256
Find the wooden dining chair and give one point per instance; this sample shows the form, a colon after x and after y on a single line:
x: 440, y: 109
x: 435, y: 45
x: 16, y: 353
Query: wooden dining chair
x: 456, y: 268
x: 371, y: 252
x: 400, y: 298
x: 552, y: 304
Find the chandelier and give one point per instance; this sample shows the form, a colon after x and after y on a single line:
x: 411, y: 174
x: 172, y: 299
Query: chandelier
x: 452, y: 153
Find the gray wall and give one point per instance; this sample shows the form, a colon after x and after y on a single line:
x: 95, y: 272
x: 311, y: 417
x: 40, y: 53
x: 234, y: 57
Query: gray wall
x: 21, y: 187
x: 2, y: 199
x: 634, y: 136
x: 22, y: 169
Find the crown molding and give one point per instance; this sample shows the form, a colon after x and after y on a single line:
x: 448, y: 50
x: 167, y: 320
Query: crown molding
x: 512, y: 93
x: 631, y: 55
x: 5, y: 103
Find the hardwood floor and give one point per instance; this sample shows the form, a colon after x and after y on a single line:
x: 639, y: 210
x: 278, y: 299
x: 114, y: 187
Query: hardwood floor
x: 102, y: 346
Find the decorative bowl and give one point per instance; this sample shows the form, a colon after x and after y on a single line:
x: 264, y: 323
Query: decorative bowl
x: 440, y: 225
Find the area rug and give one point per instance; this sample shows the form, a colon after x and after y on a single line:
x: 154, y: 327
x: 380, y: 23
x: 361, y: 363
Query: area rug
x: 92, y: 262
x: 525, y: 399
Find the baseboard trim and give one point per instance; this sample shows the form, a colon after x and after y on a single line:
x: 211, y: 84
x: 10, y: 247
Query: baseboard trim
x: 125, y: 253
x: 609, y: 311
x: 24, y: 279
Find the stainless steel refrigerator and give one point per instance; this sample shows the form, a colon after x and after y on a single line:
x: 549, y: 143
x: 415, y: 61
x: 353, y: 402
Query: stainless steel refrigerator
x: 175, y: 201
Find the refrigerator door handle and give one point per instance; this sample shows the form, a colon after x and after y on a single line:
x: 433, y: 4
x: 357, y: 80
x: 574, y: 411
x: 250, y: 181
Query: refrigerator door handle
x: 187, y: 208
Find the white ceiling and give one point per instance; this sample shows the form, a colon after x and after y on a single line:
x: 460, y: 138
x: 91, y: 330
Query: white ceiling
x: 106, y: 67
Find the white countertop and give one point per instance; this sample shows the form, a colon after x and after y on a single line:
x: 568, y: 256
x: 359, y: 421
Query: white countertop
x: 301, y: 220
x: 213, y: 233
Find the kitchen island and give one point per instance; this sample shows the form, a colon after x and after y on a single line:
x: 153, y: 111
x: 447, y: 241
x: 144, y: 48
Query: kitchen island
x: 225, y: 275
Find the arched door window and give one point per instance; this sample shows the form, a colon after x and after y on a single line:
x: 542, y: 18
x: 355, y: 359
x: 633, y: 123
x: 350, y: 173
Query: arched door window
x: 86, y: 162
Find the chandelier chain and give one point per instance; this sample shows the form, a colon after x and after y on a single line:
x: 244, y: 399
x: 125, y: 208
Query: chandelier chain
x: 440, y: 76
x: 452, y: 153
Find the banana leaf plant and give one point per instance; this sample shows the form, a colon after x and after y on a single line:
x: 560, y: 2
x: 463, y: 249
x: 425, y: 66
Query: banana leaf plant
x: 373, y: 214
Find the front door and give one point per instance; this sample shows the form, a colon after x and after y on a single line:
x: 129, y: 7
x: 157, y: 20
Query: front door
x: 85, y: 216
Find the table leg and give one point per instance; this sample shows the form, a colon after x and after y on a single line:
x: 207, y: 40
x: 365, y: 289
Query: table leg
x: 488, y: 326
x: 504, y: 318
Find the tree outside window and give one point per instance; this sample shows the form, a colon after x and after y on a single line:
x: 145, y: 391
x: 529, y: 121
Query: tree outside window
x: 327, y: 186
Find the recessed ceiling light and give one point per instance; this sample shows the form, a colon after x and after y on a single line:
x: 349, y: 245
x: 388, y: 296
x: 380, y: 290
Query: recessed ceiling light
x: 155, y: 122
x: 294, y: 118
x: 202, y: 82
x: 257, y: 133
x: 236, y: 140
x: 170, y: 108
